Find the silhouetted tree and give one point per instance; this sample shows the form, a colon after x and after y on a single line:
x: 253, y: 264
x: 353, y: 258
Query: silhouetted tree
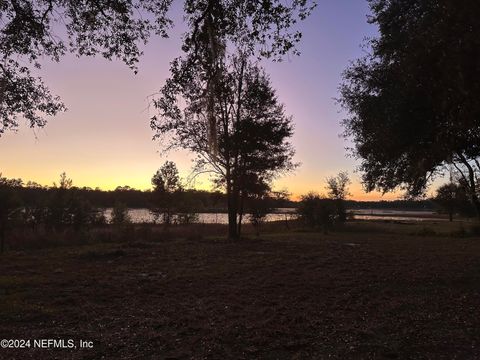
x: 10, y: 205
x: 254, y: 198
x: 257, y: 28
x: 30, y: 30
x: 258, y: 203
x: 317, y: 211
x: 167, y: 179
x: 337, y: 187
x: 413, y: 101
x: 465, y: 205
x: 447, y: 198
x: 35, y: 213
x: 281, y: 198
x: 250, y: 124
x: 120, y: 214
x: 166, y: 191
x: 57, y: 214
x: 66, y: 206
x: 82, y: 214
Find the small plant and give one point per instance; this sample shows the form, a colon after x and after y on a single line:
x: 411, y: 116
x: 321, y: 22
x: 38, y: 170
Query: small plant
x: 120, y: 214
x: 186, y: 218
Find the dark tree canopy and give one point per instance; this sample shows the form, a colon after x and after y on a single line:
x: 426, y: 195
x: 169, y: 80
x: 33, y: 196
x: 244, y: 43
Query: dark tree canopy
x: 31, y: 31
x: 453, y: 198
x: 166, y: 192
x: 413, y: 101
x: 337, y: 186
x: 221, y: 106
x: 261, y: 26
x: 250, y: 123
x: 47, y: 29
x: 166, y: 179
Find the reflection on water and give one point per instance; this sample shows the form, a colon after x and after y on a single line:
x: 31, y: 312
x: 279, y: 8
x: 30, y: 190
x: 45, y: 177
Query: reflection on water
x: 145, y: 216
x: 419, y: 213
x: 397, y: 218
x: 282, y: 214
x: 396, y: 215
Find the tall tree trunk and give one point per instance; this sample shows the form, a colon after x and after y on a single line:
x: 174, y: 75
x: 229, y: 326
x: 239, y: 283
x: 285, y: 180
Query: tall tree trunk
x: 236, y: 188
x: 240, y: 215
x: 232, y: 219
x: 232, y: 207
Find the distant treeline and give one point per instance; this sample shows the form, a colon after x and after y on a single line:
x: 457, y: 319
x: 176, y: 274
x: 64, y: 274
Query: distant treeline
x: 414, y: 205
x: 133, y: 198
x: 201, y: 199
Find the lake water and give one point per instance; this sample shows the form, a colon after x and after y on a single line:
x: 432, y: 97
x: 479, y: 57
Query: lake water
x: 396, y: 215
x: 282, y: 214
x: 145, y: 216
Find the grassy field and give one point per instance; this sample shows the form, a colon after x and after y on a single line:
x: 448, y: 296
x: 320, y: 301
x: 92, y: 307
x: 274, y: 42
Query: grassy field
x: 366, y: 291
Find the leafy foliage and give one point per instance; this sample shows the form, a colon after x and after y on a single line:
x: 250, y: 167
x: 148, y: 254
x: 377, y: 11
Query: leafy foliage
x: 120, y: 214
x: 250, y: 124
x: 259, y: 207
x: 167, y: 190
x: 413, y: 101
x: 166, y: 179
x: 261, y: 27
x: 337, y: 187
x: 22, y: 95
x: 316, y: 211
x: 34, y: 30
x: 453, y: 198
x: 64, y: 207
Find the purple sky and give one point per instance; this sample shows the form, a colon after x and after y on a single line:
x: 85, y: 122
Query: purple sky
x: 104, y: 138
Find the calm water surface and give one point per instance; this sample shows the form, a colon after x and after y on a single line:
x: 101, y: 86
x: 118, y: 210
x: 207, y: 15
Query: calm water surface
x: 282, y: 214
x: 145, y: 216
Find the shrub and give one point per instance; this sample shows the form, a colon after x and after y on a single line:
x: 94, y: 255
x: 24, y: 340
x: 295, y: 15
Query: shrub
x: 259, y: 209
x: 120, y: 214
x: 316, y: 211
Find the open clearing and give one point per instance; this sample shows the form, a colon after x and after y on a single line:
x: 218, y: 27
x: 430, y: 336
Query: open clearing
x: 358, y: 293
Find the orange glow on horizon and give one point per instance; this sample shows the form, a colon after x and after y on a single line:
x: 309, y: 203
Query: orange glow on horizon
x: 141, y: 182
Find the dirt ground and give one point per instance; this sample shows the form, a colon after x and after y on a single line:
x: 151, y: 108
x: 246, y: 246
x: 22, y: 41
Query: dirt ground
x: 359, y: 293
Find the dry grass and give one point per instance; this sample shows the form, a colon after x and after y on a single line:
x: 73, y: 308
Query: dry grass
x: 368, y: 291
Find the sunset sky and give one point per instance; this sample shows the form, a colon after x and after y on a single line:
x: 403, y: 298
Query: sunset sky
x: 104, y: 138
